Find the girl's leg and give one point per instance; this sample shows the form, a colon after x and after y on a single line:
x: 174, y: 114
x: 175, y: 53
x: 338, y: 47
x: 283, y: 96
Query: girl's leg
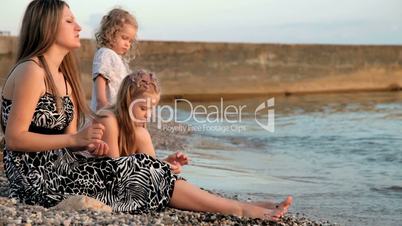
x: 189, y: 197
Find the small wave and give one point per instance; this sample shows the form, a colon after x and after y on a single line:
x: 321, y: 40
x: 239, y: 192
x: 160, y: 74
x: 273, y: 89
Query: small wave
x: 305, y: 179
x: 390, y: 189
x: 209, y: 166
x: 230, y: 142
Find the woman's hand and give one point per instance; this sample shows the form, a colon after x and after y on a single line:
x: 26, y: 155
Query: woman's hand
x: 90, y: 138
x: 101, y: 149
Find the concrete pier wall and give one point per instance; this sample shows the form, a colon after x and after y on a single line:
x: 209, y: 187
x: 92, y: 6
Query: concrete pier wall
x: 202, y: 70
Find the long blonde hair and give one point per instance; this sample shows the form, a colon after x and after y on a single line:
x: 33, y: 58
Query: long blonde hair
x: 40, y: 24
x: 133, y: 86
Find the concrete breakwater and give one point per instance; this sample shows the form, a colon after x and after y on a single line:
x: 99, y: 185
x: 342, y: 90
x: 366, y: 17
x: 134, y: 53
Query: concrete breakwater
x: 206, y: 70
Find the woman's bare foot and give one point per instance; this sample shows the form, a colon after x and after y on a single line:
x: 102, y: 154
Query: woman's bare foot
x: 285, y: 204
x: 273, y: 215
x: 254, y: 211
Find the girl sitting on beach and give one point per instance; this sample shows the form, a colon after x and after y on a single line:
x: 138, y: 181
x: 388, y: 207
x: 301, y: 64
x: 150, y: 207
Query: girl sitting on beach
x: 137, y: 94
x: 133, y: 137
x: 116, y: 35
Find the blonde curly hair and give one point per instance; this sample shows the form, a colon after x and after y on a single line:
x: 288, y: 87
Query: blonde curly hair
x: 111, y: 24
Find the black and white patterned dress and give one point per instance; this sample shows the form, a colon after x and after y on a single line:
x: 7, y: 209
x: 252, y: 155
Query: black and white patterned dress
x: 135, y: 184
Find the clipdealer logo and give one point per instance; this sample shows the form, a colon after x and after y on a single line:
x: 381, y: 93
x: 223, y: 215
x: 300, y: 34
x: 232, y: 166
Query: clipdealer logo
x: 206, y: 114
x: 269, y: 124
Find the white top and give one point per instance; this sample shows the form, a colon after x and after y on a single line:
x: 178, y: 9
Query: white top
x: 113, y: 68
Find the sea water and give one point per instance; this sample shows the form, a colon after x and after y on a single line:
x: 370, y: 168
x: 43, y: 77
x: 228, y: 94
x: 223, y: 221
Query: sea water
x: 338, y: 155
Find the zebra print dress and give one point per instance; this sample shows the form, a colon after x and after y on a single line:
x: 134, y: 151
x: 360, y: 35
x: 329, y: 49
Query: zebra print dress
x: 134, y: 184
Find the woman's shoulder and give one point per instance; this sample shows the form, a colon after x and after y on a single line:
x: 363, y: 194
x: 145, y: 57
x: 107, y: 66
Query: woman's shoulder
x: 29, y: 72
x: 29, y: 68
x: 25, y: 75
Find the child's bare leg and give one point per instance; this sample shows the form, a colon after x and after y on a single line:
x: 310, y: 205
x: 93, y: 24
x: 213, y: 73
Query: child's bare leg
x: 189, y: 197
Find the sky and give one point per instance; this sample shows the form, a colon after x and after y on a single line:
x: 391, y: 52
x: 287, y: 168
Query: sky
x: 252, y: 21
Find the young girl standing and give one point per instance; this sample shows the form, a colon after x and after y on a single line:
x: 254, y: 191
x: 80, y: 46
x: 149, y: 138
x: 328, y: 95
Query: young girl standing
x: 117, y: 33
x: 138, y: 93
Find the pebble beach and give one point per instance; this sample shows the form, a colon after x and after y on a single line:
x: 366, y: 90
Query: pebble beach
x: 14, y: 213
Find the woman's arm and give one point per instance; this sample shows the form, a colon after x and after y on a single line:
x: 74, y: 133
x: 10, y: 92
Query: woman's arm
x: 28, y: 87
x: 100, y: 91
x: 72, y: 128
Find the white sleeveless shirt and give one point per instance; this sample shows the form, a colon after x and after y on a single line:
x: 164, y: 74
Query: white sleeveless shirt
x: 113, y: 68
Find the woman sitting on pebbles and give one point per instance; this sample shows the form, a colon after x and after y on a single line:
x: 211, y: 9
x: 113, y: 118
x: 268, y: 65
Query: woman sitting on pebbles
x: 42, y: 108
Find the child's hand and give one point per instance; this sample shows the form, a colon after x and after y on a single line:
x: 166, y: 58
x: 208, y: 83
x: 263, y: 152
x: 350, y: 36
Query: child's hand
x: 178, y: 158
x: 176, y: 161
